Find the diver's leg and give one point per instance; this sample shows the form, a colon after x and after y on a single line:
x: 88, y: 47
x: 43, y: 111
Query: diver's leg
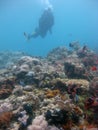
x: 29, y: 36
x: 34, y: 35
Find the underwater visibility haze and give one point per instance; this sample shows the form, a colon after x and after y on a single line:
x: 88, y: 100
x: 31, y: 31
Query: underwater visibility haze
x: 74, y: 20
x: 48, y: 64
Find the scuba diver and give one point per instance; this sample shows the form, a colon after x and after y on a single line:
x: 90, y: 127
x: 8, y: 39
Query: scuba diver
x: 45, y: 24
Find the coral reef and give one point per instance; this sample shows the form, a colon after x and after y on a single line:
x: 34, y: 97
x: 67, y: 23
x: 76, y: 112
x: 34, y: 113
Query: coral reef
x: 57, y: 92
x: 7, y: 83
x: 73, y: 71
x: 57, y: 54
x: 8, y: 58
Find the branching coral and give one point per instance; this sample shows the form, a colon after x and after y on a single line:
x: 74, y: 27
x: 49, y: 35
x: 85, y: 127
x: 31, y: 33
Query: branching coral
x: 39, y: 123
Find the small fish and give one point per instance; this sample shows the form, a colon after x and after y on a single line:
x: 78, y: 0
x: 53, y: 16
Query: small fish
x: 94, y: 68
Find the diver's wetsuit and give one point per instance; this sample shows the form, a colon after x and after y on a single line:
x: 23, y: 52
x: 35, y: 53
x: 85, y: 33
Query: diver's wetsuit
x: 46, y: 22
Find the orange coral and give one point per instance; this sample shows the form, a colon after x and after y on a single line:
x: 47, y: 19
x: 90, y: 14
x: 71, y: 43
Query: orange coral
x: 5, y: 119
x: 52, y: 93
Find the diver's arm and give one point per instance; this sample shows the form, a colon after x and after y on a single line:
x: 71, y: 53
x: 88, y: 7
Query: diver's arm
x: 34, y: 35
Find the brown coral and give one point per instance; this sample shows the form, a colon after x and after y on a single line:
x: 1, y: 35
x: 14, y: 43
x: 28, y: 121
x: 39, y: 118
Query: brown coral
x: 4, y: 93
x: 5, y: 119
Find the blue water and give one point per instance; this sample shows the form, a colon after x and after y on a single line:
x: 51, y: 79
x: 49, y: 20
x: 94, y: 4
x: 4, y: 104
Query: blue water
x: 74, y: 20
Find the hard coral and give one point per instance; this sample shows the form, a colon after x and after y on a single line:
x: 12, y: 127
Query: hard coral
x: 57, y: 117
x: 5, y: 119
x: 4, y: 93
x: 5, y: 107
x: 7, y: 83
x: 94, y: 86
x: 39, y: 123
x: 52, y: 93
x: 73, y: 71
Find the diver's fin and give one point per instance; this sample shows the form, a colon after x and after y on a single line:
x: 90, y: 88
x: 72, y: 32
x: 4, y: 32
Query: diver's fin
x: 26, y: 36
